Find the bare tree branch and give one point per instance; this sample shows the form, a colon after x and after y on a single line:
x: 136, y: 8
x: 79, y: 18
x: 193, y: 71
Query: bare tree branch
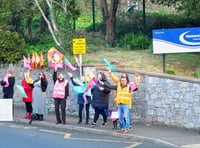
x: 49, y: 25
x: 51, y: 21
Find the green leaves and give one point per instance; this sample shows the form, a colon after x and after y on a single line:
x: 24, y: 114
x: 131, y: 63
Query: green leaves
x: 11, y: 47
x: 134, y: 41
x: 190, y: 8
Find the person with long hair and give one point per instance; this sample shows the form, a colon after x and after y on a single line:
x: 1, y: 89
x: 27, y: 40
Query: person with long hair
x: 27, y: 83
x: 39, y: 97
x: 123, y: 98
x: 8, y: 83
x: 100, y: 99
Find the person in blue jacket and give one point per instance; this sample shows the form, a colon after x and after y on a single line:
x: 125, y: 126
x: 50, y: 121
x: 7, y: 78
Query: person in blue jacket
x: 81, y: 101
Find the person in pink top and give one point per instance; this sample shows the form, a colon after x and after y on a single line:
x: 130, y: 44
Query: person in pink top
x: 60, y: 94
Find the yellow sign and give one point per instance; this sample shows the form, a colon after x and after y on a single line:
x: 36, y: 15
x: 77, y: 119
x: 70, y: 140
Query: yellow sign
x: 79, y: 46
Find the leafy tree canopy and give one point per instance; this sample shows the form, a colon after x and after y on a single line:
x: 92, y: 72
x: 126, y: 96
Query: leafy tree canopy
x: 11, y: 47
x: 190, y: 8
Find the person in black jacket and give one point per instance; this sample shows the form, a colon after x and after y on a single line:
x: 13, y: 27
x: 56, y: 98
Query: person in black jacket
x: 100, y: 100
x: 81, y: 101
x: 8, y: 85
x: 60, y: 94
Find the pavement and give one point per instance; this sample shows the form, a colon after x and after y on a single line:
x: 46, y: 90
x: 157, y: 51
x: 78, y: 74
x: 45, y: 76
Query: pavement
x: 140, y: 132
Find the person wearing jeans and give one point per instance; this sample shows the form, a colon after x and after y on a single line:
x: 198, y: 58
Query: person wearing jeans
x: 124, y: 109
x: 123, y: 98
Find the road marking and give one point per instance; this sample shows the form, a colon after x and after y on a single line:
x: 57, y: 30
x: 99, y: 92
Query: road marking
x: 66, y: 135
x: 21, y: 126
x: 17, y: 126
x: 26, y: 127
x: 101, y: 140
x: 191, y: 146
x: 133, y: 145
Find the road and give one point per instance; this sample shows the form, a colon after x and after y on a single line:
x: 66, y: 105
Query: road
x: 18, y: 135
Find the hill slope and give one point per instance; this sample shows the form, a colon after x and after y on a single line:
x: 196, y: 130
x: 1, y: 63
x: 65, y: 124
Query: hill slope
x: 187, y: 65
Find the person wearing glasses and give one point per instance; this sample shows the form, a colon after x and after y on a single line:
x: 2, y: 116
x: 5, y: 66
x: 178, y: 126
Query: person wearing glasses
x: 122, y: 98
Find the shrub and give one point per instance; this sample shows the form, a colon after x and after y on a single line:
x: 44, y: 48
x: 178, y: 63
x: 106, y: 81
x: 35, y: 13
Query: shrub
x: 11, y: 47
x: 43, y: 45
x: 196, y: 74
x: 132, y: 42
x: 171, y: 71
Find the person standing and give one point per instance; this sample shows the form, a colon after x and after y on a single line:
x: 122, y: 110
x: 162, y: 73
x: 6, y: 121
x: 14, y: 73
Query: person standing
x: 39, y: 97
x: 123, y: 99
x: 81, y: 101
x: 8, y: 85
x: 60, y: 94
x: 27, y: 83
x: 100, y: 101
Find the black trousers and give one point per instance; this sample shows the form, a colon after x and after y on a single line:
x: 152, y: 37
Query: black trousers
x: 96, y: 115
x: 29, y: 108
x: 60, y: 102
x: 80, y: 112
x: 8, y: 96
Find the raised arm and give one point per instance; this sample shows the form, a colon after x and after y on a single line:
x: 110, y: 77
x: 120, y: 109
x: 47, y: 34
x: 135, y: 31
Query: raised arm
x: 55, y: 75
x: 112, y: 75
x: 72, y: 79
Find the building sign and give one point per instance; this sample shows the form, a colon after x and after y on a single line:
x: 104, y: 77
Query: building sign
x: 176, y: 40
x: 79, y: 46
x: 6, y: 110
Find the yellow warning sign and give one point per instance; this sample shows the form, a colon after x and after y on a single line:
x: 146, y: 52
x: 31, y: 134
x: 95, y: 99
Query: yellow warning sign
x: 79, y: 46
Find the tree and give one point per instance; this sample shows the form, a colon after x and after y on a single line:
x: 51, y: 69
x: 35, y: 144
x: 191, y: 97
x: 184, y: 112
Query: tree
x: 190, y: 8
x: 59, y: 8
x: 110, y: 18
x: 19, y: 16
x: 11, y: 47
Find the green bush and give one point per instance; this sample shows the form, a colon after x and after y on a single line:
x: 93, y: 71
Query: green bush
x: 171, y: 71
x: 43, y: 45
x: 196, y: 74
x: 88, y: 61
x: 132, y: 42
x: 11, y: 47
x: 85, y: 21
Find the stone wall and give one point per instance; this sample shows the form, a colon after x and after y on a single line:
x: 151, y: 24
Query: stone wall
x: 161, y: 98
x: 19, y: 71
x: 165, y: 99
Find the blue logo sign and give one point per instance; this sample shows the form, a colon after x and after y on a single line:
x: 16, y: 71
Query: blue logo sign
x: 176, y: 40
